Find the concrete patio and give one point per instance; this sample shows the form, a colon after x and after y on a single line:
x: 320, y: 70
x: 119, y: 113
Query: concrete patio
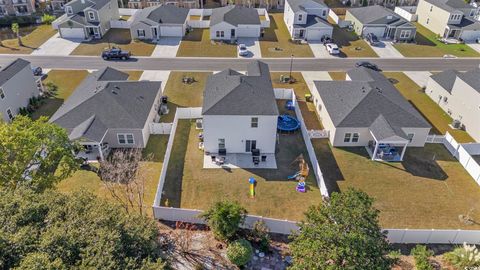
x: 240, y: 161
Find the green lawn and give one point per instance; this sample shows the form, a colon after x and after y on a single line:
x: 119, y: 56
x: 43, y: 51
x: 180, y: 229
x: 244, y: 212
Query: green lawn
x: 197, y: 43
x: 134, y: 75
x: 430, y: 189
x: 438, y: 118
x: 350, y: 44
x: 30, y: 42
x: 182, y: 94
x: 67, y: 81
x: 427, y: 45
x: 338, y: 75
x: 277, y: 41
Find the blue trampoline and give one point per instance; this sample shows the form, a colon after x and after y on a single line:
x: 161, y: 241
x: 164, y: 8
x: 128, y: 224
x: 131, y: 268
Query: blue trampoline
x: 287, y: 123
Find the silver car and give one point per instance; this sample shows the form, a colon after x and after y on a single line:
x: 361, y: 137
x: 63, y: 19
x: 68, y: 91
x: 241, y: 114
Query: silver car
x: 242, y: 50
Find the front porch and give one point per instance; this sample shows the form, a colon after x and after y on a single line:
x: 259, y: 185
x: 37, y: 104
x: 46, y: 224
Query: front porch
x: 93, y: 152
x: 239, y: 160
x: 93, y: 32
x: 452, y: 34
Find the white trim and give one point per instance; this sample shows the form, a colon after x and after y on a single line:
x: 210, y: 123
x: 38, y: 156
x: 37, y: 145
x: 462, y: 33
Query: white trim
x: 68, y: 10
x: 91, y: 15
x: 141, y: 31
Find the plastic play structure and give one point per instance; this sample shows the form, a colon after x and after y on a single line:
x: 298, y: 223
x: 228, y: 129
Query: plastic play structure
x: 287, y: 123
x: 289, y: 105
x: 301, y: 174
x: 252, y: 187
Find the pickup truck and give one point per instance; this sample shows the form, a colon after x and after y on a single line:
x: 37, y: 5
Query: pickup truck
x: 115, y: 53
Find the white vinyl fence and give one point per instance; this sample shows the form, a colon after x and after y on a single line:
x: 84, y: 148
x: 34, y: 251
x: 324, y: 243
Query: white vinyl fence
x: 160, y: 128
x: 127, y: 11
x: 341, y: 23
x: 407, y: 12
x: 120, y: 24
x: 199, y: 23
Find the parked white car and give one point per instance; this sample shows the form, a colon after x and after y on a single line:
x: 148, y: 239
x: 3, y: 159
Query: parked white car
x: 332, y: 48
x: 242, y: 50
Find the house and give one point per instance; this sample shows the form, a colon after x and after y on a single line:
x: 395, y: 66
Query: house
x: 159, y: 21
x: 367, y: 110
x: 17, y: 7
x: 86, y: 19
x: 307, y: 19
x: 17, y: 86
x: 458, y: 94
x: 382, y: 22
x: 240, y: 111
x: 139, y: 4
x: 453, y: 19
x: 232, y: 22
x: 107, y: 111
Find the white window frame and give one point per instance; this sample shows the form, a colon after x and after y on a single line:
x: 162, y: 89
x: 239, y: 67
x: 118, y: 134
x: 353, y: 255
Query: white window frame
x: 10, y: 114
x: 355, y: 137
x: 68, y: 9
x: 141, y: 31
x: 254, y: 122
x: 124, y: 137
x: 300, y: 17
x: 221, y: 142
x: 405, y: 33
x: 347, y: 137
x: 220, y: 34
x: 2, y: 93
x: 91, y: 15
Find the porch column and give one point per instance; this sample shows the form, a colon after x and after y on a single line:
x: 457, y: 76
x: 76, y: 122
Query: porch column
x: 403, y: 151
x: 100, y: 151
x: 374, y: 154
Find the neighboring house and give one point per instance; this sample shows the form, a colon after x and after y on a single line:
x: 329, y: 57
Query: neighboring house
x: 240, y: 111
x: 367, y: 110
x: 16, y: 7
x: 307, y: 19
x: 382, y: 22
x: 159, y: 21
x: 458, y: 94
x: 449, y: 19
x: 17, y: 86
x: 139, y: 4
x: 58, y: 6
x: 86, y: 19
x: 232, y: 22
x: 107, y: 111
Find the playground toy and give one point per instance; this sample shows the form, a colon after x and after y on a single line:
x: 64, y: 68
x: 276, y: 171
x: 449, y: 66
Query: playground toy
x: 289, y: 105
x: 252, y: 187
x: 301, y: 174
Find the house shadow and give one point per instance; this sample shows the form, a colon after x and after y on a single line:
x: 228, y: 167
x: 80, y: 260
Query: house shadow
x: 328, y: 164
x: 269, y: 34
x: 194, y: 35
x: 424, y: 41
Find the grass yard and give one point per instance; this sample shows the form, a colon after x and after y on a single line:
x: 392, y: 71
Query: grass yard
x: 350, y: 44
x: 188, y: 185
x: 31, y: 41
x: 197, y: 43
x: 183, y: 95
x: 134, y: 75
x: 338, y: 75
x: 67, y: 81
x: 438, y: 118
x: 115, y: 37
x: 427, y: 45
x: 430, y: 189
x: 87, y: 180
x: 277, y: 41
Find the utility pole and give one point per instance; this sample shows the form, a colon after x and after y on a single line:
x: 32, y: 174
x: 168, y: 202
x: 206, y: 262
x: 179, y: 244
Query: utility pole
x: 291, y: 65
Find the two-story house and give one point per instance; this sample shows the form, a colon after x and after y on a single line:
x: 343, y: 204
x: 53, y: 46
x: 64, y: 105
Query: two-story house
x: 451, y: 19
x: 17, y: 86
x: 139, y: 4
x: 88, y: 19
x: 307, y: 19
x: 16, y: 7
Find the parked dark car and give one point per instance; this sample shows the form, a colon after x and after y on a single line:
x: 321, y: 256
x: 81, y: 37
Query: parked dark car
x: 115, y: 53
x: 369, y: 65
x: 37, y: 71
x: 372, y: 39
x: 327, y: 40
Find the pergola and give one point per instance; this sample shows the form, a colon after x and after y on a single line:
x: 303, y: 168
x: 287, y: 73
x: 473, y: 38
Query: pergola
x: 386, y: 148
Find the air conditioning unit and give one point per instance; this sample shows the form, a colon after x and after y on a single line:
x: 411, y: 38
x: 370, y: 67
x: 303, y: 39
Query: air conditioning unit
x: 456, y: 124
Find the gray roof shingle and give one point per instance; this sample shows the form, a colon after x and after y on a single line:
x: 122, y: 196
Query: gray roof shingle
x: 298, y: 5
x: 313, y: 22
x: 234, y: 15
x: 10, y: 70
x: 163, y: 14
x: 446, y: 79
x: 378, y: 15
x: 450, y: 5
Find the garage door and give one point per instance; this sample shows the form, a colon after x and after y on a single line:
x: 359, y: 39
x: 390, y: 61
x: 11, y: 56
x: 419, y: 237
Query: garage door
x: 77, y: 33
x: 318, y: 34
x: 171, y: 31
x: 378, y: 31
x: 248, y: 31
x: 470, y: 36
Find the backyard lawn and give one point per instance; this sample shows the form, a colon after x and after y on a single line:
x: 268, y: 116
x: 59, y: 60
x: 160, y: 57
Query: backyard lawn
x: 427, y: 45
x: 350, y: 44
x: 338, y: 75
x: 197, y: 43
x: 188, y: 185
x: 30, y: 41
x: 134, y: 75
x: 183, y: 94
x: 67, y: 81
x: 430, y: 189
x: 438, y: 118
x: 277, y: 41
x: 118, y: 38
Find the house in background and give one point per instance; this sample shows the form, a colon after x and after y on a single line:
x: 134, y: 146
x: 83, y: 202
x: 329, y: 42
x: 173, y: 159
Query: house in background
x: 107, y: 111
x: 139, y: 4
x: 458, y: 94
x: 367, y: 110
x: 452, y: 19
x: 87, y: 19
x: 17, y: 86
x: 233, y: 22
x: 382, y: 22
x: 159, y: 21
x: 307, y: 19
x: 17, y: 7
x: 240, y: 113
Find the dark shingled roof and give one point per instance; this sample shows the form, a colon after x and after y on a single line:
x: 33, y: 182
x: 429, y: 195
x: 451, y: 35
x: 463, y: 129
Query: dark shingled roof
x: 446, y: 79
x: 298, y: 5
x: 312, y: 22
x: 232, y: 93
x: 369, y: 100
x: 106, y: 100
x: 466, y: 24
x: 10, y: 70
x: 378, y: 15
x: 163, y: 14
x: 95, y: 4
x: 234, y: 15
x: 450, y: 5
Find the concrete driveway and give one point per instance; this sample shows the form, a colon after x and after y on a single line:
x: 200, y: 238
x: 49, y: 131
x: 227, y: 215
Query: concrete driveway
x: 475, y: 46
x: 156, y: 75
x: 319, y: 50
x: 57, y: 46
x: 385, y: 49
x: 311, y: 76
x: 167, y: 47
x: 253, y: 46
x: 419, y: 77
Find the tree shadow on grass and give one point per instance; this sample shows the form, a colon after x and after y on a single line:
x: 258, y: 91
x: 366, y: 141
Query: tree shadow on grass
x: 328, y: 164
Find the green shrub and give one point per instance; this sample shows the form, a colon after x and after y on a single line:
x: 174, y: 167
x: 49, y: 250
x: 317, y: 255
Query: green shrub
x: 240, y: 252
x: 467, y: 256
x: 48, y: 19
x: 224, y: 218
x: 260, y: 235
x: 395, y: 255
x: 421, y: 256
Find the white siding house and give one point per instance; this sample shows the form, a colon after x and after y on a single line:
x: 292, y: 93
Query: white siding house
x: 159, y: 21
x: 232, y: 22
x: 307, y: 19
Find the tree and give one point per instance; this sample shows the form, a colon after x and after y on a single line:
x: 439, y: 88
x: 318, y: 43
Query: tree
x: 224, y: 218
x: 37, y: 154
x: 47, y: 18
x: 16, y: 29
x: 240, y: 252
x: 342, y: 233
x: 51, y: 230
x: 421, y: 255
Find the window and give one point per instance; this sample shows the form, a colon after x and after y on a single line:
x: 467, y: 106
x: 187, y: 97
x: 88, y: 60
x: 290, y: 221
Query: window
x: 431, y: 8
x: 355, y: 137
x: 221, y: 143
x: 130, y: 139
x: 428, y: 20
x: 141, y: 33
x: 69, y: 10
x: 324, y: 13
x: 405, y: 33
x: 220, y: 34
x: 9, y: 114
x: 2, y: 94
x: 254, y: 123
x: 410, y: 136
x: 125, y: 138
x: 91, y: 15
x: 300, y: 17
x: 347, y: 138
x: 472, y: 12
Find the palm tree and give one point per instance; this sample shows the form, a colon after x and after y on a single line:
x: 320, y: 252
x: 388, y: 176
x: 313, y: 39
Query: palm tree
x: 16, y: 30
